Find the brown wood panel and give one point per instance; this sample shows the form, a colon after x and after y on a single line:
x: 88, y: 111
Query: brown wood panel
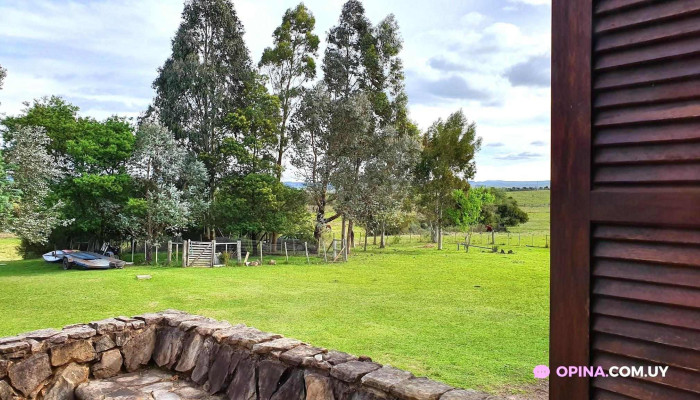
x: 661, y: 334
x: 645, y: 312
x: 644, y: 291
x: 601, y: 394
x: 644, y: 272
x: 645, y: 351
x: 648, y: 252
x: 650, y: 53
x: 647, y: 234
x: 638, y: 174
x: 668, y: 206
x: 571, y: 154
x: 648, y: 74
x: 640, y: 36
x: 652, y: 94
x: 649, y: 113
x: 683, y: 131
x: 649, y: 153
x: 642, y: 390
x: 675, y: 377
x: 652, y: 13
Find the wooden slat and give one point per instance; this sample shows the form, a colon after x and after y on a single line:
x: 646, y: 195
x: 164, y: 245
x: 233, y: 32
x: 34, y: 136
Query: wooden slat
x: 644, y: 272
x: 653, y: 13
x: 660, y: 32
x: 606, y: 6
x: 662, y: 173
x: 683, y: 131
x: 645, y: 75
x: 571, y: 154
x: 668, y: 206
x: 648, y: 113
x: 641, y: 390
x: 602, y: 394
x: 648, y: 252
x: 640, y: 350
x: 650, y: 153
x: 651, y: 53
x: 647, y: 234
x: 643, y: 291
x: 645, y: 312
x: 675, y: 377
x: 670, y: 336
x: 652, y: 94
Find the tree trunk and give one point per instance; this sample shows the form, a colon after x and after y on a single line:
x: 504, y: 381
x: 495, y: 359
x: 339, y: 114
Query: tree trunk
x: 273, y: 241
x: 383, y: 241
x: 342, y: 232
x: 439, y: 236
x: 350, y: 236
x: 365, y: 240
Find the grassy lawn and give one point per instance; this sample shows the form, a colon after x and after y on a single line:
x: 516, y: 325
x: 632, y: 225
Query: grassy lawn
x: 475, y: 320
x: 536, y: 204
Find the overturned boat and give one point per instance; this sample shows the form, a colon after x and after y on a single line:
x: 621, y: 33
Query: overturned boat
x: 83, y: 259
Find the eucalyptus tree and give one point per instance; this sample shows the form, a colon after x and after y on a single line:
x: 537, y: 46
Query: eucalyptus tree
x: 3, y: 74
x: 204, y: 81
x: 33, y: 171
x: 169, y: 185
x: 290, y: 64
x: 446, y: 164
x: 362, y: 58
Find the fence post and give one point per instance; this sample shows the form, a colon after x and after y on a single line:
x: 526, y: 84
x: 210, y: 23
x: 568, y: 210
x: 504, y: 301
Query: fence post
x: 518, y: 239
x: 261, y: 257
x: 345, y: 249
x: 213, y: 252
x: 286, y: 254
x: 325, y: 254
x: 546, y: 241
x: 306, y: 249
x: 132, y: 250
x: 156, y: 246
x: 185, y: 252
x: 170, y: 252
x: 238, y: 251
x: 335, y: 250
x: 177, y: 252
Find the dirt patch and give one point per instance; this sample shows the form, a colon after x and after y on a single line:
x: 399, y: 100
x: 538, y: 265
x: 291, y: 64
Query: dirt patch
x: 536, y: 391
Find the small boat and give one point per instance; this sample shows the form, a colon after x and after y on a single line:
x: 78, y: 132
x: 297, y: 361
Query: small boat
x: 83, y: 259
x: 56, y: 256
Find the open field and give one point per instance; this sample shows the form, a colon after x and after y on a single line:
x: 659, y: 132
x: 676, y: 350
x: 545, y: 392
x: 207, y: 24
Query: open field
x: 536, y: 204
x: 475, y: 320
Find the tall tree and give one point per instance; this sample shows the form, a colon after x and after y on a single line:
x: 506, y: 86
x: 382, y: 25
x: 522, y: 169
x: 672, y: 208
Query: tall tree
x: 290, y: 64
x: 33, y: 171
x: 204, y: 81
x: 3, y: 74
x: 446, y: 164
x: 164, y: 206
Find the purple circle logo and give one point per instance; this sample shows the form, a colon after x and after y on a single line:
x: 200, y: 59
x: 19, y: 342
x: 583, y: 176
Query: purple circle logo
x: 541, y: 371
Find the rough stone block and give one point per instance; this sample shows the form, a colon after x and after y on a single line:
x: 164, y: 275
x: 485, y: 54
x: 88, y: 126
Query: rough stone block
x: 109, y: 365
x: 79, y: 332
x: 28, y: 374
x: 15, y: 349
x: 243, y: 386
x: 204, y: 360
x: 420, y: 389
x: 139, y: 349
x: 385, y: 377
x: 6, y: 391
x: 80, y: 351
x: 41, y: 334
x: 293, y: 388
x: 318, y: 387
x: 281, y: 344
x: 108, y: 325
x: 66, y: 382
x: 150, y: 318
x: 3, y: 368
x: 462, y: 394
x: 352, y: 371
x: 269, y: 374
x: 297, y: 355
x: 244, y: 336
x: 168, y: 347
x: 221, y: 369
x: 104, y: 343
x: 190, y: 352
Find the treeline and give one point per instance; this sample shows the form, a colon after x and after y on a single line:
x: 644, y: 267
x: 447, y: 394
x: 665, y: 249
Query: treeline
x: 206, y: 158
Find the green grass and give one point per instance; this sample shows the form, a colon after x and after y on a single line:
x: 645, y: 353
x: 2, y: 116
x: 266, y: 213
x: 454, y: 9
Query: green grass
x: 536, y: 204
x: 472, y: 319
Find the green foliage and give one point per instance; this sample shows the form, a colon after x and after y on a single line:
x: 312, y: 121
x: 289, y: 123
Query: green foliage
x: 466, y: 209
x: 289, y: 65
x: 259, y: 203
x: 204, y: 81
x: 504, y: 211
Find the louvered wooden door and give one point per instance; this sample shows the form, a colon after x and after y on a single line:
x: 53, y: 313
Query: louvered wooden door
x: 626, y: 195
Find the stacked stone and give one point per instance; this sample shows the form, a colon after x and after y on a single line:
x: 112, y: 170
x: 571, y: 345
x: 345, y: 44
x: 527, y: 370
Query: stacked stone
x: 238, y: 362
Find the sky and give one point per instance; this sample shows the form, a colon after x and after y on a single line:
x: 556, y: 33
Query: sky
x: 490, y: 58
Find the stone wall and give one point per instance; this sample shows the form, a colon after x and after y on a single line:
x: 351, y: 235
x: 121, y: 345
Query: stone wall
x: 227, y: 361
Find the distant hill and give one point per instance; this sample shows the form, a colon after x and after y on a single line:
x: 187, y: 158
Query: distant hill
x: 498, y: 184
x: 510, y: 184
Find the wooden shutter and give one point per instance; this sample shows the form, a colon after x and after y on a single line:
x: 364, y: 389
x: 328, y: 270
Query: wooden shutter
x: 626, y: 195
